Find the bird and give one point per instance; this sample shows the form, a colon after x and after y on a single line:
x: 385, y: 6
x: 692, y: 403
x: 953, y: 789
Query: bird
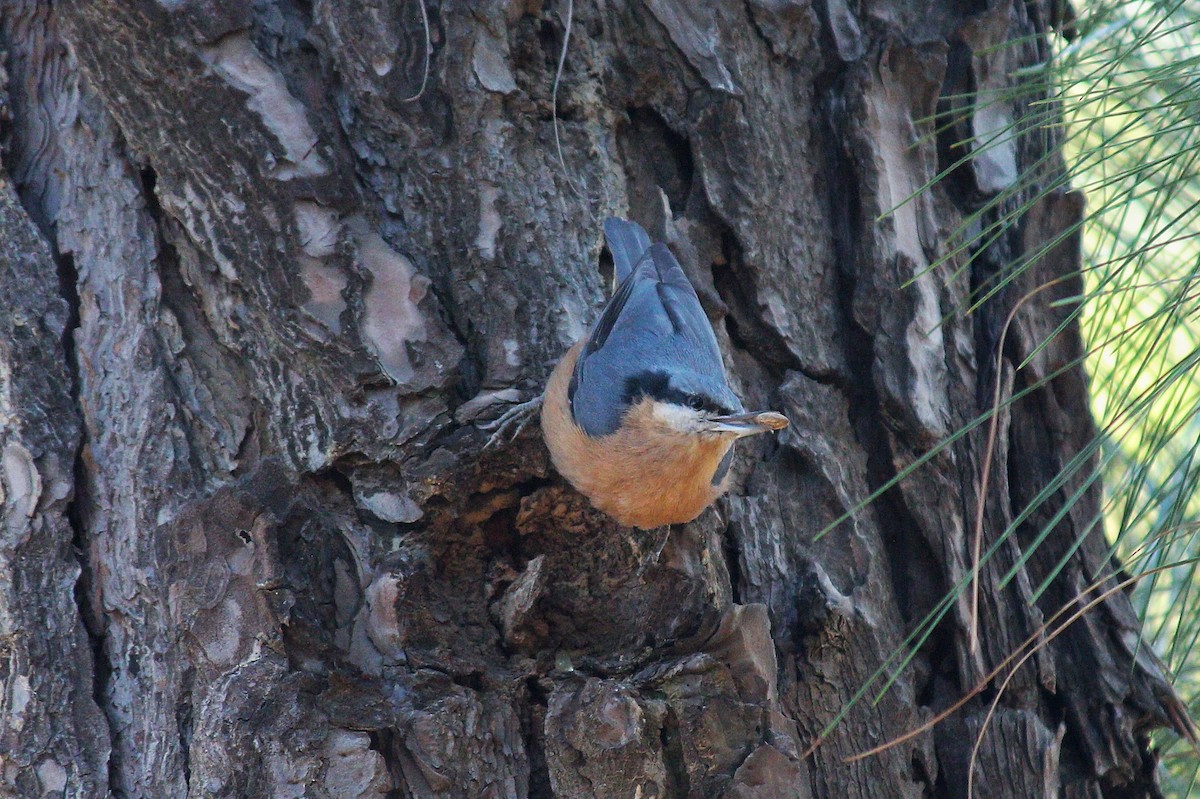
x: 638, y: 415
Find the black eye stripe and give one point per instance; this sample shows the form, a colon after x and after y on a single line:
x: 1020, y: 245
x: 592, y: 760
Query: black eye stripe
x: 644, y: 384
x: 657, y: 386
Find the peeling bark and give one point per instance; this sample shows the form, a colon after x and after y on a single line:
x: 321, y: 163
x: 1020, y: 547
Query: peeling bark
x: 53, y: 738
x: 273, y: 263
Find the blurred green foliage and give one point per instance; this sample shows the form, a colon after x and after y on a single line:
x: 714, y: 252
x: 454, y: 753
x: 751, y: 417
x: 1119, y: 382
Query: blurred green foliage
x: 1129, y: 85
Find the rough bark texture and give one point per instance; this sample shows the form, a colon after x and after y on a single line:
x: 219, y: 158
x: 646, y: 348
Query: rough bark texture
x: 264, y: 281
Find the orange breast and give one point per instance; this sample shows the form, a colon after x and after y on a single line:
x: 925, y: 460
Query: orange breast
x: 642, y: 475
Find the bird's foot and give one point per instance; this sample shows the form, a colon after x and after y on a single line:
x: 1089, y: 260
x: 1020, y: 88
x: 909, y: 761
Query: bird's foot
x: 518, y: 416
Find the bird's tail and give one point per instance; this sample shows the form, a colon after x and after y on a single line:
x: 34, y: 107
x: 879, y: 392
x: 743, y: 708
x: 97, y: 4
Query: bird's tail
x: 627, y: 242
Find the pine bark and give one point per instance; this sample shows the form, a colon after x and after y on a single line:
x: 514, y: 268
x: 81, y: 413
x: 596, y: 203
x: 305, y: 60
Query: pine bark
x: 267, y: 268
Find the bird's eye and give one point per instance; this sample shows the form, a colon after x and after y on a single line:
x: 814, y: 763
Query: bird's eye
x: 695, y: 402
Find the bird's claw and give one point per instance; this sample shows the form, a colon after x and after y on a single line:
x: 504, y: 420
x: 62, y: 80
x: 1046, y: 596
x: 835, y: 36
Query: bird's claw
x: 518, y: 416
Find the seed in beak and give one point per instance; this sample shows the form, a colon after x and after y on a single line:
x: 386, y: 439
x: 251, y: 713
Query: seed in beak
x: 747, y: 424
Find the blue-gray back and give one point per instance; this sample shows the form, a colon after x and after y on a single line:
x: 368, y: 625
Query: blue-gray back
x: 652, y: 332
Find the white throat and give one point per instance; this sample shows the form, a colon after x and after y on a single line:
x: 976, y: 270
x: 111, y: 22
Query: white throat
x: 680, y: 419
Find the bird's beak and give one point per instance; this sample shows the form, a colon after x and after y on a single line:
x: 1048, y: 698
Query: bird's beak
x: 749, y: 424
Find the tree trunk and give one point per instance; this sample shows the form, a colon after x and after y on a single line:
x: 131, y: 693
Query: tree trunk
x: 273, y: 264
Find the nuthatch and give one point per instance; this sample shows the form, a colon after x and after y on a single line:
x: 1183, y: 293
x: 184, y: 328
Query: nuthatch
x: 638, y: 415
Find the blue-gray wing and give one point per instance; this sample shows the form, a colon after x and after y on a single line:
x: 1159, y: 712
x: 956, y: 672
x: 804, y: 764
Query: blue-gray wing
x: 653, y: 329
x: 628, y: 242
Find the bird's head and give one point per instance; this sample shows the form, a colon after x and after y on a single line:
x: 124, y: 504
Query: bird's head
x: 685, y: 403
